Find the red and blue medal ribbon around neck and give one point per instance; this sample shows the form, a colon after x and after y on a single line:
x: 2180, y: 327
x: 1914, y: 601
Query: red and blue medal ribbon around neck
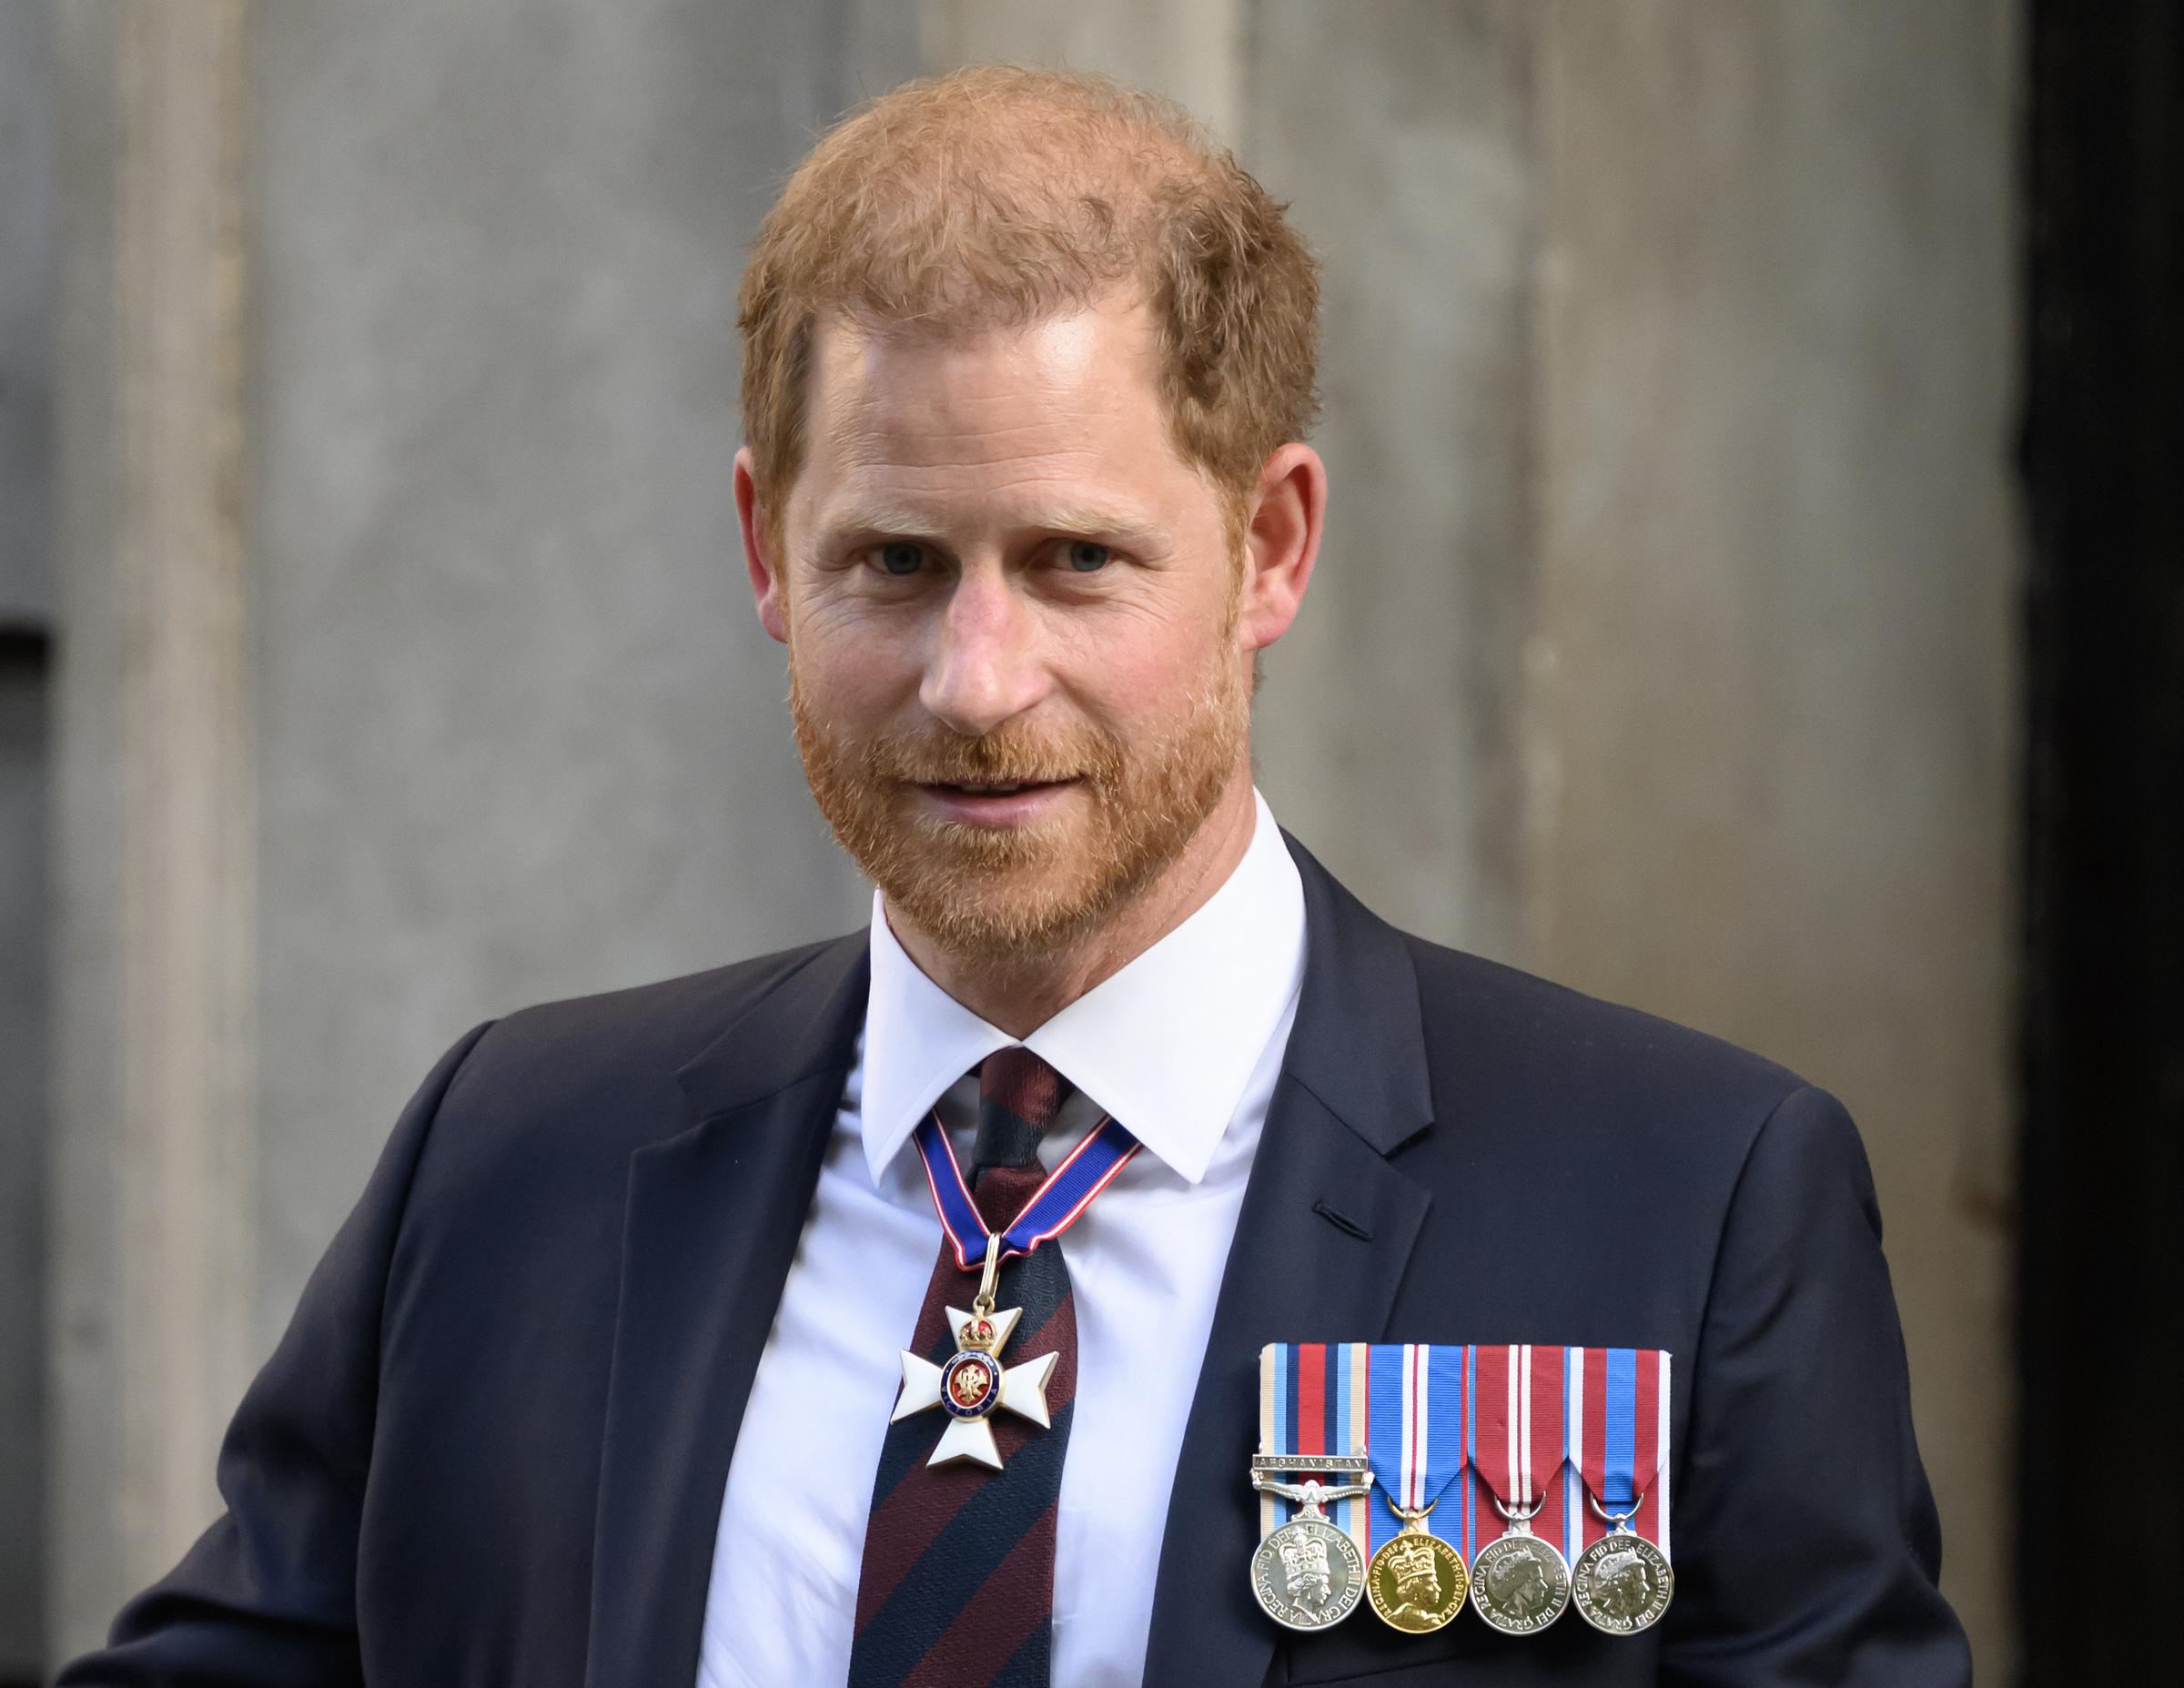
x: 1054, y: 1207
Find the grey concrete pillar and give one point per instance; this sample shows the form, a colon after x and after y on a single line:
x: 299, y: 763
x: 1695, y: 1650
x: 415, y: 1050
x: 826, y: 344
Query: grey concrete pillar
x: 1190, y: 50
x: 1402, y: 131
x: 153, y: 1209
x: 479, y: 717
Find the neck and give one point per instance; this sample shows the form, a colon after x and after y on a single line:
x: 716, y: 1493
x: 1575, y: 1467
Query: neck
x: 1019, y: 994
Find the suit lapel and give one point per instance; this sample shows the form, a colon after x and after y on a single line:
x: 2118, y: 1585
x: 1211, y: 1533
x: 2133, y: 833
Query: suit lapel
x: 713, y: 1217
x: 1322, y: 1244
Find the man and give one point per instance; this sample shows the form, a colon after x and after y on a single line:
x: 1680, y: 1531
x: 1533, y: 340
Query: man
x: 890, y: 1311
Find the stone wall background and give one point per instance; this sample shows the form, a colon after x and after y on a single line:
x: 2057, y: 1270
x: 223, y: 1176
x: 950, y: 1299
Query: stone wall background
x: 1663, y: 641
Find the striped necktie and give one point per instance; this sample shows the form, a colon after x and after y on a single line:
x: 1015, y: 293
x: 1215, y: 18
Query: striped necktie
x: 957, y: 1581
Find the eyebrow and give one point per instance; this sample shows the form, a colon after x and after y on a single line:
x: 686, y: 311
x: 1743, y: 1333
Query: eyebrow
x: 1127, y: 529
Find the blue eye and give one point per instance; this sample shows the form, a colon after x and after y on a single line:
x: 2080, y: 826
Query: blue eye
x: 1085, y: 556
x: 901, y: 557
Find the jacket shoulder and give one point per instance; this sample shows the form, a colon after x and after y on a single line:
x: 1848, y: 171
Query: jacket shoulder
x: 609, y: 1062
x: 665, y: 1015
x: 1505, y: 1044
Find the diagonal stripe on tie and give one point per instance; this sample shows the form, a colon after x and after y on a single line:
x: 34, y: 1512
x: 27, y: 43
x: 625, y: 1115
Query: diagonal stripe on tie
x: 991, y: 1620
x: 960, y: 1562
x: 1032, y: 1664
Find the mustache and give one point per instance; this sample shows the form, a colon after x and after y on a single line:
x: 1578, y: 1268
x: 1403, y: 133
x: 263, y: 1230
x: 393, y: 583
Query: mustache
x: 1009, y: 756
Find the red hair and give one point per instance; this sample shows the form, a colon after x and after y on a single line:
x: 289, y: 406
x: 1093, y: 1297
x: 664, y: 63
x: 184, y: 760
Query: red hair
x: 998, y: 196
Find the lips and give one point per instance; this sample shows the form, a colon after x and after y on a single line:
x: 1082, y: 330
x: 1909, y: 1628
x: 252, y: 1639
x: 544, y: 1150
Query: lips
x: 992, y: 789
x: 995, y: 802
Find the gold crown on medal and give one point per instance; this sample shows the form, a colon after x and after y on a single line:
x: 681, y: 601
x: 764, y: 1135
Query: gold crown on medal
x: 1411, y: 1556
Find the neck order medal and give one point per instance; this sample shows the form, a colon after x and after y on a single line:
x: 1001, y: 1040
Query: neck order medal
x: 971, y: 1384
x: 974, y: 1385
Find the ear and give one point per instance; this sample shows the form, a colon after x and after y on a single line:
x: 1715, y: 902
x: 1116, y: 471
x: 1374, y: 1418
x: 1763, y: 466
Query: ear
x: 1281, y: 542
x: 760, y: 558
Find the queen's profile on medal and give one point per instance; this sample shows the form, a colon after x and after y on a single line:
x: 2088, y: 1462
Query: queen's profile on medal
x: 1621, y: 1584
x: 1417, y: 1582
x: 1308, y: 1575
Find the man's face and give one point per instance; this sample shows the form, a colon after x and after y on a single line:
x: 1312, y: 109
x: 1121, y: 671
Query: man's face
x: 1012, y: 615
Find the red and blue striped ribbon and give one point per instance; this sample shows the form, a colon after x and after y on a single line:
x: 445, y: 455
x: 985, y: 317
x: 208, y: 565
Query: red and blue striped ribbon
x: 1053, y: 1208
x: 1312, y: 1402
x: 1618, y: 1423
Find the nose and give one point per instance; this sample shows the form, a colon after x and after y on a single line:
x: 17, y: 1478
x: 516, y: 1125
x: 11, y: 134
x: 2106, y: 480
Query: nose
x: 986, y: 664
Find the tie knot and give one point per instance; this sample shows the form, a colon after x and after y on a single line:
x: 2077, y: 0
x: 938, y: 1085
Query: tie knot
x: 1019, y: 1096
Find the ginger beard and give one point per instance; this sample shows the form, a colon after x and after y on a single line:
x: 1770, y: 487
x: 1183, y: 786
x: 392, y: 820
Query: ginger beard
x: 1025, y: 892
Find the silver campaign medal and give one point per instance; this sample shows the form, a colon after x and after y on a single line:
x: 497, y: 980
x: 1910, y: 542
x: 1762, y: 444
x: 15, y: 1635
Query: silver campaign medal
x: 1308, y: 1575
x: 1621, y: 1584
x: 1520, y: 1583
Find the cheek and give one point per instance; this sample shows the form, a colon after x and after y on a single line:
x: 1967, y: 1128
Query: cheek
x: 1143, y: 673
x: 851, y: 668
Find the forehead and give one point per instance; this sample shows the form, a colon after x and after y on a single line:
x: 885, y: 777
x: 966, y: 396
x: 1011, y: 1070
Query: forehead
x: 1068, y: 395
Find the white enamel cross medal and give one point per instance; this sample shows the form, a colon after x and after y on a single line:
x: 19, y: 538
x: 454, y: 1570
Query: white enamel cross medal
x: 974, y: 1385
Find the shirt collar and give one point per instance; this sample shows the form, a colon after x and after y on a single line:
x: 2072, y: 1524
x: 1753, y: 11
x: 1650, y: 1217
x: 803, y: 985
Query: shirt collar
x: 1166, y: 1045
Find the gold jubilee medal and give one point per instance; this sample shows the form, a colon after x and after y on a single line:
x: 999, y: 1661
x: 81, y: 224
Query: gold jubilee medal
x: 1417, y: 1400
x: 1416, y: 1582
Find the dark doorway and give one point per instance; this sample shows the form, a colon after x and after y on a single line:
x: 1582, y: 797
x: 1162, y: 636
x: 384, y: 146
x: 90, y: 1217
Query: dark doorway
x: 2101, y: 1549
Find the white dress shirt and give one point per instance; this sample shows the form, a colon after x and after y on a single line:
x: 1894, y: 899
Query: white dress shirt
x: 1182, y: 1046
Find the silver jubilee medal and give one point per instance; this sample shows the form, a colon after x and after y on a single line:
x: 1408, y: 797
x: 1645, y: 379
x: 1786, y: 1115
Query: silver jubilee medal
x: 1621, y: 1584
x: 1519, y: 1582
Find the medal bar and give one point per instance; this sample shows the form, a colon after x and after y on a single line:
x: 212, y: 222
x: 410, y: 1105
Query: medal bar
x: 1417, y: 1448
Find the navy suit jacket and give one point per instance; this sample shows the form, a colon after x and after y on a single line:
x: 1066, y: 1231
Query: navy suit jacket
x: 491, y: 1449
